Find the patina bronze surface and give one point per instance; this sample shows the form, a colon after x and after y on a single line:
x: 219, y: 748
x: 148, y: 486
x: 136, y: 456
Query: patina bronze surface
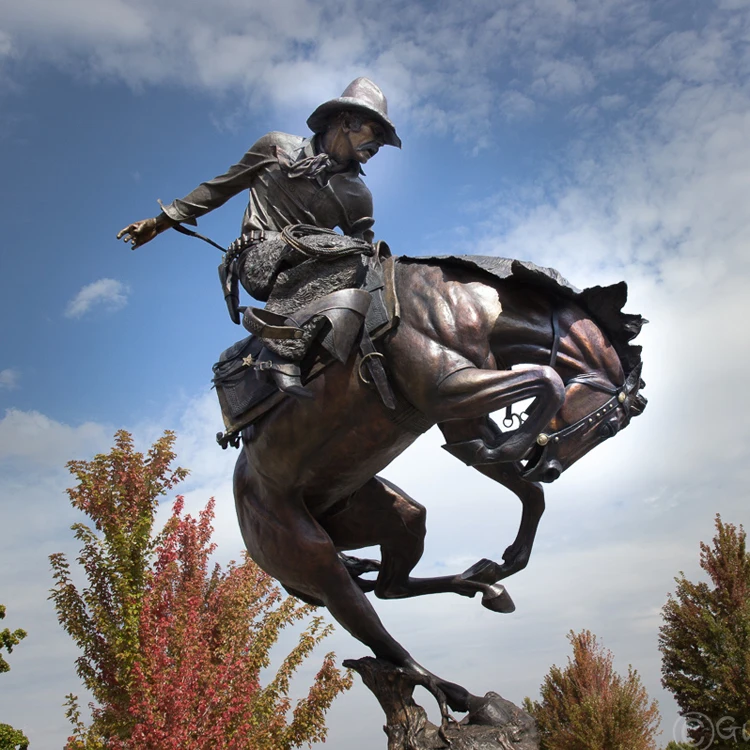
x: 293, y: 181
x: 468, y: 344
x: 466, y: 339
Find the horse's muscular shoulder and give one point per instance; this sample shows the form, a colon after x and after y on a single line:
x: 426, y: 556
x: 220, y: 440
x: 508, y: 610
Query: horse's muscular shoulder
x: 451, y: 308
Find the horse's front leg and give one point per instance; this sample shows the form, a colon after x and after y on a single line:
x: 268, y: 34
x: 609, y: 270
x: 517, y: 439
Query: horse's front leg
x: 473, y: 393
x: 531, y: 495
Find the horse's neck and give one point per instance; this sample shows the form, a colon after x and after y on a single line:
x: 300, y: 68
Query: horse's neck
x: 584, y: 349
x: 525, y: 333
x: 457, y: 304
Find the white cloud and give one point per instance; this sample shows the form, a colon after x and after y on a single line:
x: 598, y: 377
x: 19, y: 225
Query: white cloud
x: 561, y: 78
x: 9, y: 378
x: 106, y: 293
x: 34, y: 437
x: 459, y: 67
x: 661, y: 204
x: 515, y: 106
x: 696, y: 57
x: 6, y: 47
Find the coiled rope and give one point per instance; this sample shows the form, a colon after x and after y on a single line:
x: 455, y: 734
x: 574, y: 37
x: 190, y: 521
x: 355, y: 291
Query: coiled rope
x: 323, y: 244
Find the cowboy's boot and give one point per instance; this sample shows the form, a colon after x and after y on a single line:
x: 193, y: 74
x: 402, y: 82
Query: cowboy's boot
x: 284, y: 372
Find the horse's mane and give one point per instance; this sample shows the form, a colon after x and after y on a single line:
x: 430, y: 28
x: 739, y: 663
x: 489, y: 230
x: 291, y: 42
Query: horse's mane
x: 603, y: 303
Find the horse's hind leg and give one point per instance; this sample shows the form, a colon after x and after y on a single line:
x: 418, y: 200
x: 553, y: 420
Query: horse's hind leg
x: 381, y: 514
x: 290, y: 545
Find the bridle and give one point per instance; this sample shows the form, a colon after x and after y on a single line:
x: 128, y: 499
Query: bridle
x: 548, y: 443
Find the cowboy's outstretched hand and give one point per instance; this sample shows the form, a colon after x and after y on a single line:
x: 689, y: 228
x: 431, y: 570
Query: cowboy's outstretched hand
x: 141, y: 232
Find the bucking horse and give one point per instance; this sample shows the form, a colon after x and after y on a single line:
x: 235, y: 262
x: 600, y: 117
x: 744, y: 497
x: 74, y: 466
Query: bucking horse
x: 474, y: 335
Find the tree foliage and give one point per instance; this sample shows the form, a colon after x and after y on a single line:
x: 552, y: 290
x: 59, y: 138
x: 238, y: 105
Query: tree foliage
x: 10, y: 738
x: 705, y: 642
x: 8, y: 639
x: 173, y: 647
x: 588, y: 706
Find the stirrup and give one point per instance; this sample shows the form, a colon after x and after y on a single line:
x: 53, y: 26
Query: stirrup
x: 284, y: 373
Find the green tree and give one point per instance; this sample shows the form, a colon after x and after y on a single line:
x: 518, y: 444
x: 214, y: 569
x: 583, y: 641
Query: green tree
x: 172, y: 648
x: 588, y: 706
x: 705, y: 642
x: 10, y: 738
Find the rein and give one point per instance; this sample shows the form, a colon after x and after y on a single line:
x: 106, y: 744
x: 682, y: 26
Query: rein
x: 190, y: 233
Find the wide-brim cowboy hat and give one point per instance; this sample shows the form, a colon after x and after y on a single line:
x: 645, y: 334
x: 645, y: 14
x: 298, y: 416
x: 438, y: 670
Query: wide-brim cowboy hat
x: 362, y: 96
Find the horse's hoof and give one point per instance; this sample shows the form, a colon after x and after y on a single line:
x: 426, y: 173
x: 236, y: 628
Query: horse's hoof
x: 497, y: 599
x: 484, y: 571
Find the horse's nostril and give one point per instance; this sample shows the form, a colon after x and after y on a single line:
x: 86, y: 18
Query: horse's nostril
x: 552, y: 471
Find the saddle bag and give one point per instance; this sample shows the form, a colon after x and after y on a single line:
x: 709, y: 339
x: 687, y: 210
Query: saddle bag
x: 236, y: 385
x: 244, y: 397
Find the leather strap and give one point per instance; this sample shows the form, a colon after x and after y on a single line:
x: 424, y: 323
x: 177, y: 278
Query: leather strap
x: 268, y: 325
x: 248, y: 238
x: 190, y: 233
x: 373, y: 360
x: 273, y: 326
x: 555, y: 335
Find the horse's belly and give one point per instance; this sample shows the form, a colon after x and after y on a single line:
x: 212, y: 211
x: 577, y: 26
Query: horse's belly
x: 328, y: 448
x: 346, y: 469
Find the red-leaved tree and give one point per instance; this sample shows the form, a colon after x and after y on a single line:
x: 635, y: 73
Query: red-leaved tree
x: 173, y: 647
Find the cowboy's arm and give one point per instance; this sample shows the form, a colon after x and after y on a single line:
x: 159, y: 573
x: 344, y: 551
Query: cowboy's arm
x: 206, y: 197
x: 216, y: 192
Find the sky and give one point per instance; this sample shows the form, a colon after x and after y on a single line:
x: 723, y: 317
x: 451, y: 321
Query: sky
x: 605, y: 138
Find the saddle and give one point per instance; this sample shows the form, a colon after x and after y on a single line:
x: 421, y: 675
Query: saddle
x: 353, y: 316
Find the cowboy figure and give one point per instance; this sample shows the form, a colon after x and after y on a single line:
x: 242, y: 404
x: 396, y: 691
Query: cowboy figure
x: 294, y: 182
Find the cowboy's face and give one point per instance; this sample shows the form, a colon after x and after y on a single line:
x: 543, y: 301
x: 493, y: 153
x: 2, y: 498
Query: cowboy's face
x: 365, y: 142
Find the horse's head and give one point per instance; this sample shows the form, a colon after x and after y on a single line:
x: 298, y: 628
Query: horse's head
x: 594, y: 411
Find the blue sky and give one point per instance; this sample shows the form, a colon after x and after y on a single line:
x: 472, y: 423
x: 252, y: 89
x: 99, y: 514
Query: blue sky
x: 606, y: 138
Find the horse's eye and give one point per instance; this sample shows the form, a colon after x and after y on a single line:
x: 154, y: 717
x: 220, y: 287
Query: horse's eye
x: 607, y: 429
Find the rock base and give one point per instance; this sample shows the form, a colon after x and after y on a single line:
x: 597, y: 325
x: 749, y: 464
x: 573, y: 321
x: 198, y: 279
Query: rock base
x: 493, y: 724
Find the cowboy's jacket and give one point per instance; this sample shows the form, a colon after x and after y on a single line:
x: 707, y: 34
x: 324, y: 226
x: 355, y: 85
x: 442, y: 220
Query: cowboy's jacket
x: 290, y: 181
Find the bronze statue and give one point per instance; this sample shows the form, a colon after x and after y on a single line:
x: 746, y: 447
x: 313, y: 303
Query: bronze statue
x: 293, y: 181
x: 375, y: 350
x: 471, y: 336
